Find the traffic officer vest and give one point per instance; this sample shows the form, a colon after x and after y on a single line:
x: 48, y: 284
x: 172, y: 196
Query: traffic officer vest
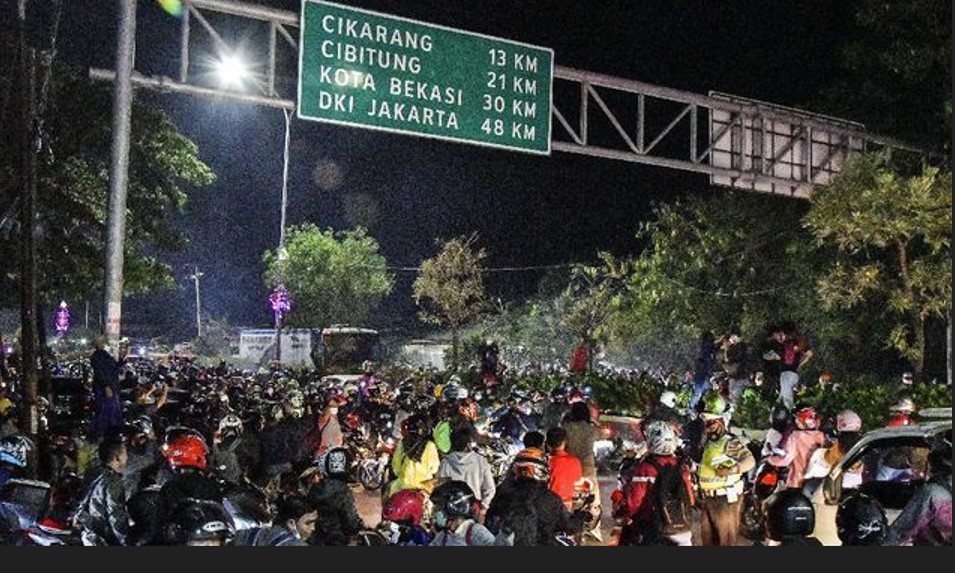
x: 712, y: 452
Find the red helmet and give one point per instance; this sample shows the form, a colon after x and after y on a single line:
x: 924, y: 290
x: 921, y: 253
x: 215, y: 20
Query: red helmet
x: 404, y: 505
x: 806, y: 418
x: 188, y: 450
x: 899, y: 419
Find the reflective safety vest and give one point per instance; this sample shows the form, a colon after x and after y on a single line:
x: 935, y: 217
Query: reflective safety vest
x: 716, y: 453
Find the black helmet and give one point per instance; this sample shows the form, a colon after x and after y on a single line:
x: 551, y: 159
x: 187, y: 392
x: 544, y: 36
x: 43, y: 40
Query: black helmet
x: 779, y: 417
x: 789, y: 512
x: 199, y: 520
x: 334, y: 463
x: 860, y: 520
x: 456, y: 498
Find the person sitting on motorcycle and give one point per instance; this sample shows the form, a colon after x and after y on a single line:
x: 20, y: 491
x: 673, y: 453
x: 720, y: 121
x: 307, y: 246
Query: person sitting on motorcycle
x: 454, y: 515
x: 798, y: 445
x: 102, y: 517
x: 565, y: 470
x: 293, y: 525
x: 187, y: 458
x: 644, y: 524
x: 338, y: 518
x: 225, y: 443
x: 145, y: 459
x: 416, y: 459
x: 525, y: 511
x: 462, y: 463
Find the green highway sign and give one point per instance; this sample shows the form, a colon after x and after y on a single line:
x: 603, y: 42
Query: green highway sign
x: 368, y: 69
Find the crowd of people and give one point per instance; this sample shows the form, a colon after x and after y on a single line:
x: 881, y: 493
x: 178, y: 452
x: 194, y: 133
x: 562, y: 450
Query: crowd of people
x: 184, y: 455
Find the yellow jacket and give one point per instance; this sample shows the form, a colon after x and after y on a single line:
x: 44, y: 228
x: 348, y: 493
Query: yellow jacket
x: 414, y: 474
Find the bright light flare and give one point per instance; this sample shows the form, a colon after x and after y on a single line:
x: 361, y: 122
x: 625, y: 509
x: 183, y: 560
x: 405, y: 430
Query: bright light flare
x: 172, y: 7
x: 232, y: 71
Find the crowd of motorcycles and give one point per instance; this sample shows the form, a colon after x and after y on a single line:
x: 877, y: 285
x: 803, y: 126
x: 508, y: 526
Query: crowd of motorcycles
x: 38, y: 511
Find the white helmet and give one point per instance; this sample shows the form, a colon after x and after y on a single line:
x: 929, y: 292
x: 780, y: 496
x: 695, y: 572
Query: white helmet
x: 848, y: 421
x: 661, y: 438
x: 668, y: 398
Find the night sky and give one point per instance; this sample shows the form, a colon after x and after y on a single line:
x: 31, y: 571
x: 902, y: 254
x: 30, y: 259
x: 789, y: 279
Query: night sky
x: 529, y: 210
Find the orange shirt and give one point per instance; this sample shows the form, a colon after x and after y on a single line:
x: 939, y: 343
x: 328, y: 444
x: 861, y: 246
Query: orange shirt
x: 565, y: 471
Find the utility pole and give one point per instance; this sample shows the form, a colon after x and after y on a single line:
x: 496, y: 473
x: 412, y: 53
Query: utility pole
x: 27, y: 175
x: 119, y: 169
x: 195, y: 276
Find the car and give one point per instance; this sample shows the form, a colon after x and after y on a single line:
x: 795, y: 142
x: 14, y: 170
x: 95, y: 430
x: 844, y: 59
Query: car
x: 893, y: 463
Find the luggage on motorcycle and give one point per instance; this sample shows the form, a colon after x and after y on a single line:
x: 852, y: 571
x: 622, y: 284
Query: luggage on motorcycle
x: 671, y: 499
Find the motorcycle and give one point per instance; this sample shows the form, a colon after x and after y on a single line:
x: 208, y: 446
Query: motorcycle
x: 24, y: 516
x: 373, y: 471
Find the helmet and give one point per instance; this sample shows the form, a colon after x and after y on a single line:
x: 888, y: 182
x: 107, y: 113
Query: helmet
x: 531, y: 462
x: 143, y: 425
x: 904, y: 405
x: 230, y: 424
x: 789, y: 512
x: 661, y: 438
x: 199, y: 520
x: 848, y: 421
x: 404, y: 505
x: 334, y: 463
x: 899, y: 419
x: 779, y: 416
x: 14, y: 450
x: 861, y: 520
x: 576, y: 395
x: 187, y: 450
x: 714, y: 406
x: 668, y: 398
x: 806, y: 418
x: 455, y: 498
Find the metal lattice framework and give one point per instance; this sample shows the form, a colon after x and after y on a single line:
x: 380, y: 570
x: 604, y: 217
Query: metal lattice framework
x: 738, y: 142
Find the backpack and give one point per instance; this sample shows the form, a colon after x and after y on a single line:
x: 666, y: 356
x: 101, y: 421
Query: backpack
x: 670, y: 497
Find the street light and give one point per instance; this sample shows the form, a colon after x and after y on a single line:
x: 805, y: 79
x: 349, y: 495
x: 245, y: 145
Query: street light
x: 233, y: 72
x: 195, y: 276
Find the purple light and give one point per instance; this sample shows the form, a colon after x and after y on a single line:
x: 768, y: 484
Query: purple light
x: 279, y: 299
x: 62, y: 318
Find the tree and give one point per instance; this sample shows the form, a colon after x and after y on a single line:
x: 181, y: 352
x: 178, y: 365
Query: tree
x: 892, y: 235
x: 896, y: 72
x: 449, y: 288
x: 333, y: 277
x: 732, y: 261
x: 591, y: 299
x: 73, y: 167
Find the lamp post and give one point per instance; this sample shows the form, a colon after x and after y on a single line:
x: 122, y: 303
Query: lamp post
x: 195, y: 276
x: 281, y: 304
x: 232, y: 73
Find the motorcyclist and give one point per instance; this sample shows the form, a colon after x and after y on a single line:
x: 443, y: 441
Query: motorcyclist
x: 338, y: 518
x: 526, y: 511
x: 226, y: 441
x: 798, y: 446
x: 401, y: 517
x: 102, y: 517
x: 454, y: 515
x: 187, y: 458
x: 293, y: 525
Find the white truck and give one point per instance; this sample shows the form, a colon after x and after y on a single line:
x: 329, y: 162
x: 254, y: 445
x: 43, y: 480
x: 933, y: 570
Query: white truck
x: 334, y: 349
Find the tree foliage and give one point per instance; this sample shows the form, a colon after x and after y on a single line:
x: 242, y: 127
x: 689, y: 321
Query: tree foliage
x: 73, y: 167
x: 732, y: 262
x: 892, y: 236
x: 896, y: 72
x: 333, y: 277
x: 449, y: 289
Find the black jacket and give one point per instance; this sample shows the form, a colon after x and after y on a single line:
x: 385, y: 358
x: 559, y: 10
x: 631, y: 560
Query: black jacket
x: 523, y: 499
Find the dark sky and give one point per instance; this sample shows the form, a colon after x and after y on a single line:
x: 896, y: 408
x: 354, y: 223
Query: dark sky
x: 529, y: 210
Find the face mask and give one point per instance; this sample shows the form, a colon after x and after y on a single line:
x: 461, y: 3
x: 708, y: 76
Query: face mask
x: 440, y: 519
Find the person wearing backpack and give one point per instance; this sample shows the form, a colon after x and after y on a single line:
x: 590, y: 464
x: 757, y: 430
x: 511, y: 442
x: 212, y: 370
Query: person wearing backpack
x: 659, y: 496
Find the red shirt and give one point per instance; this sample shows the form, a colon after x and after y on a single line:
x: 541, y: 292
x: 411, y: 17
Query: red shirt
x: 565, y: 471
